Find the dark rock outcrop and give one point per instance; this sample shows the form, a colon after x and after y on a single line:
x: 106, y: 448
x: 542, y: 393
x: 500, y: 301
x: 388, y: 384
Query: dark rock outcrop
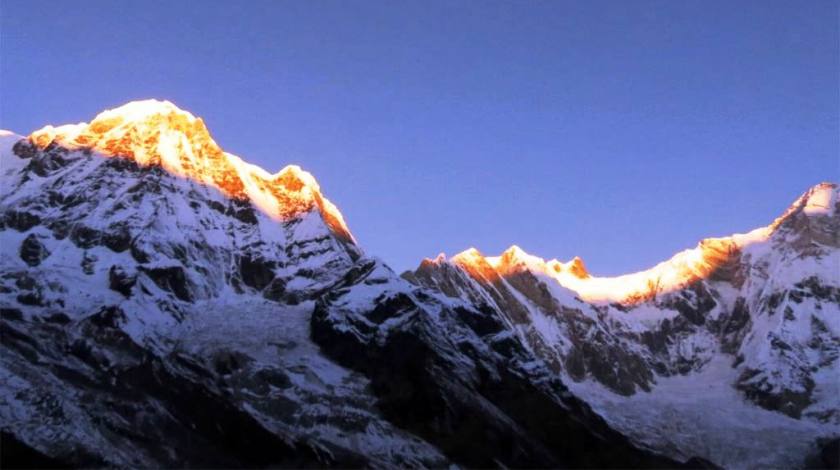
x: 121, y: 281
x: 32, y: 251
x: 172, y: 279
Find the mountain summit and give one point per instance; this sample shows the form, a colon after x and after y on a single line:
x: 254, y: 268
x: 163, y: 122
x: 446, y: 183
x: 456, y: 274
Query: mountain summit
x: 158, y: 133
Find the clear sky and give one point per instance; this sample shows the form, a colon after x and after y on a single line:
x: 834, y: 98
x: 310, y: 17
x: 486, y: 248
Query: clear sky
x: 619, y: 131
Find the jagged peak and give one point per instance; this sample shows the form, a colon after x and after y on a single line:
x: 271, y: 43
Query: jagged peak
x: 435, y: 262
x: 293, y: 178
x: 133, y: 130
x: 158, y: 133
x: 515, y: 258
x: 514, y: 254
x: 821, y: 199
x: 575, y: 266
x: 469, y: 255
x: 439, y: 259
x: 712, y: 257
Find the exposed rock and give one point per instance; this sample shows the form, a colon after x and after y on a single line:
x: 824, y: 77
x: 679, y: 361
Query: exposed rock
x: 758, y: 388
x: 23, y: 148
x: 20, y: 220
x: 85, y: 237
x: 117, y: 238
x: 276, y: 290
x: 256, y: 273
x: 480, y: 408
x: 32, y: 251
x: 88, y: 263
x: 172, y: 279
x: 733, y: 327
x: 226, y: 361
x: 11, y: 314
x: 121, y: 281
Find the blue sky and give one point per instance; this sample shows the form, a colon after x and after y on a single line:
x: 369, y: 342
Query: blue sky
x: 619, y: 131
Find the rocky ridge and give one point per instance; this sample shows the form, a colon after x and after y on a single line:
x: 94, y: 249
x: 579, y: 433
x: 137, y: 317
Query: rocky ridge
x: 766, y: 302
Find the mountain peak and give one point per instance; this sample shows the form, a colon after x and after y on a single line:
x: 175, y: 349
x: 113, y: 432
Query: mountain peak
x: 158, y: 133
x: 143, y: 109
x: 811, y: 213
x: 576, y: 267
x: 470, y: 255
x: 514, y: 258
x: 821, y: 199
x: 514, y: 253
x: 140, y: 130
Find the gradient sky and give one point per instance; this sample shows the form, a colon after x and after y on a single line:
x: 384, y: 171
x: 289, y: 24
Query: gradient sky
x: 619, y: 131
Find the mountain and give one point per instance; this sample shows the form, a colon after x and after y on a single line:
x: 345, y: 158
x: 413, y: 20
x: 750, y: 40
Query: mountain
x: 165, y: 304
x: 727, y: 351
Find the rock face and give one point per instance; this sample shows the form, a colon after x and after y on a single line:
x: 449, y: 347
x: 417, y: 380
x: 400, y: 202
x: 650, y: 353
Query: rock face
x: 457, y: 378
x: 766, y: 303
x: 164, y: 304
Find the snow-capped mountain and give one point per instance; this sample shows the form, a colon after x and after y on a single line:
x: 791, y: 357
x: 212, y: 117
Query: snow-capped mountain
x: 728, y: 351
x: 165, y: 304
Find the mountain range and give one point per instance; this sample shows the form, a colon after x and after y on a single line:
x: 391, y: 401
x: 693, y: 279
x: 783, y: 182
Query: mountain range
x: 166, y: 304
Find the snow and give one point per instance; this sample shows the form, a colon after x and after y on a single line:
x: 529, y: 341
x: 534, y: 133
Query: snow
x: 671, y: 275
x: 695, y: 408
x: 178, y: 225
x: 141, y: 109
x: 515, y: 256
x: 701, y: 414
x: 822, y: 201
x: 187, y: 150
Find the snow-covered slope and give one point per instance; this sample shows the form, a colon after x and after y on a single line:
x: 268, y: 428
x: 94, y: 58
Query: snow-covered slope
x: 164, y: 304
x: 766, y: 303
x: 155, y: 295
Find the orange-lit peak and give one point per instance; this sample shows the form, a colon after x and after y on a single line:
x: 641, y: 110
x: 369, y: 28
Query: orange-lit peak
x: 145, y: 111
x: 475, y: 264
x: 821, y: 200
x: 470, y: 255
x: 718, y: 259
x: 158, y: 133
x: 436, y: 261
x: 685, y: 267
x: 575, y: 267
x: 516, y: 259
x: 514, y: 254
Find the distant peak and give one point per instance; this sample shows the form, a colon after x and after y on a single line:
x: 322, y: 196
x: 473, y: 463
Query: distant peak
x: 436, y: 261
x: 577, y: 268
x: 514, y: 252
x: 515, y: 259
x: 468, y: 254
x: 294, y: 178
